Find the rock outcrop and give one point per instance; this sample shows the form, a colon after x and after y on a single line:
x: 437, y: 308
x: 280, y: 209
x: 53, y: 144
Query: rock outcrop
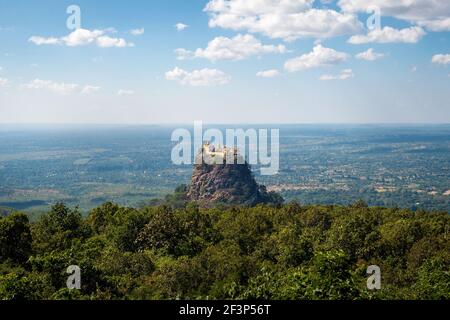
x: 228, y: 184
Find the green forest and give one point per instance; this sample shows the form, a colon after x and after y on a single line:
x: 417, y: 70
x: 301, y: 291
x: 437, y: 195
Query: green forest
x: 175, y: 250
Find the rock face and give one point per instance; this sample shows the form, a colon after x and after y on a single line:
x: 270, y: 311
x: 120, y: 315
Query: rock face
x: 229, y: 184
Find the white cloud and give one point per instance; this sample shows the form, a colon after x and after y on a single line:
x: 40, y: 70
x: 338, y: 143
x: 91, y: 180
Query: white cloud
x: 237, y: 48
x: 319, y: 57
x: 109, y: 42
x: 124, y: 92
x: 436, y: 25
x: 82, y: 37
x: 4, y: 82
x: 183, y: 54
x: 110, y: 30
x: 344, y: 75
x: 441, y: 59
x: 137, y: 32
x: 198, y: 78
x: 181, y: 26
x: 90, y: 89
x: 60, y: 87
x: 285, y: 19
x: 268, y: 73
x: 369, y: 55
x: 39, y: 41
x: 390, y: 35
x: 431, y: 14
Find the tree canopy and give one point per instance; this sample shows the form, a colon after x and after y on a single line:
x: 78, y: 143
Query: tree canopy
x: 266, y: 252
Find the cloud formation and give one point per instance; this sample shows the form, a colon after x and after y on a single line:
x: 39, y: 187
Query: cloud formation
x: 441, y: 59
x: 370, y: 55
x: 268, y: 73
x: 60, y: 87
x: 390, y: 35
x: 286, y: 19
x: 181, y: 26
x: 39, y: 41
x: 198, y: 78
x: 83, y: 37
x: 319, y: 57
x: 137, y: 32
x: 4, y: 82
x: 344, y: 75
x: 238, y: 48
x: 431, y: 14
x: 90, y: 89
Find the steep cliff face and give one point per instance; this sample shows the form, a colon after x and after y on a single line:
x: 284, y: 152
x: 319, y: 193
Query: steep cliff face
x: 228, y: 184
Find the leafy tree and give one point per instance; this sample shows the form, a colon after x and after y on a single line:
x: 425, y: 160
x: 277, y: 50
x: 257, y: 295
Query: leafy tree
x: 101, y: 217
x: 162, y: 232
x: 434, y: 279
x: 32, y: 286
x: 57, y: 229
x: 290, y: 251
x: 333, y: 276
x: 15, y: 238
x: 355, y: 233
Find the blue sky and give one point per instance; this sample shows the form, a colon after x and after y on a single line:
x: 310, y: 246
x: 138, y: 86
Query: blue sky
x: 269, y: 61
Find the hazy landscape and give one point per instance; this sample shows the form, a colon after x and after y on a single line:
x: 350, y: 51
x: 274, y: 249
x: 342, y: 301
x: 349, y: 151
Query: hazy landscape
x: 385, y: 165
x: 116, y: 119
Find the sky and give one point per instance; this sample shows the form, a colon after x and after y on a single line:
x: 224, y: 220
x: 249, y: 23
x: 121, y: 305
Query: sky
x: 225, y: 61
